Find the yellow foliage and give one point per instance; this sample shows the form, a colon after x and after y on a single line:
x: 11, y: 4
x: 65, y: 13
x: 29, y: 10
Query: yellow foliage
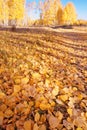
x: 16, y: 9
x: 69, y: 14
x: 1, y: 9
x: 60, y: 15
x: 11, y: 10
x: 50, y: 11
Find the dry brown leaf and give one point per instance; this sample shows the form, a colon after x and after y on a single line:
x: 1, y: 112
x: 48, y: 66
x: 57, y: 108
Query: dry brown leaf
x: 2, y: 95
x: 3, y: 107
x: 35, y: 127
x: 59, y: 115
x: 28, y: 125
x: 42, y: 127
x: 8, y: 113
x: 17, y: 88
x: 37, y: 117
x: 10, y: 127
x: 32, y: 91
x: 1, y: 118
x: 43, y: 118
x: 53, y: 121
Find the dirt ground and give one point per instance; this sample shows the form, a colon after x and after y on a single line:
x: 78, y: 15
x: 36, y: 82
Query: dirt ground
x: 43, y: 79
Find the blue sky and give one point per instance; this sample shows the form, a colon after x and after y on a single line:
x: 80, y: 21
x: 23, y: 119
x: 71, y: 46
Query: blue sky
x: 81, y: 8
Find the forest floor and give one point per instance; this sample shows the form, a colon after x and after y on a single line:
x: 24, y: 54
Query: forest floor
x: 43, y: 80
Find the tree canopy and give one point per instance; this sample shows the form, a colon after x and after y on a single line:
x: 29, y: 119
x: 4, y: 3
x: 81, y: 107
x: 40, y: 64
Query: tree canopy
x: 51, y: 12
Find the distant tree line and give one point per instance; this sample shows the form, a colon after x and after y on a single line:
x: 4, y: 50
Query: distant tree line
x: 52, y: 12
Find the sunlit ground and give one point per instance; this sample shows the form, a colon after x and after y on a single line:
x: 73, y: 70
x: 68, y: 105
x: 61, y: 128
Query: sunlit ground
x: 43, y: 80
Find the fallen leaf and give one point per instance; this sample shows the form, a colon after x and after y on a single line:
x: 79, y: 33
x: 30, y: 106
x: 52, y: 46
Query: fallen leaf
x: 3, y: 107
x: 44, y: 106
x: 36, y: 76
x: 79, y: 128
x: 42, y: 127
x: 53, y: 121
x: 28, y: 125
x: 2, y: 95
x: 17, y: 81
x: 8, y: 113
x: 25, y: 80
x: 70, y: 112
x: 55, y: 91
x: 63, y: 97
x: 10, y: 127
x: 17, y: 88
x: 1, y: 118
x: 35, y: 127
x: 37, y: 117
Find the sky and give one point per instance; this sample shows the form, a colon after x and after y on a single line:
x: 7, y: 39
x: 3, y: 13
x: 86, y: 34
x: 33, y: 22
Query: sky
x: 80, y: 5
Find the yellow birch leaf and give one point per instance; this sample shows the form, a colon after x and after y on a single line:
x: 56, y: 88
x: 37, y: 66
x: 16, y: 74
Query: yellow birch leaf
x: 69, y: 110
x: 17, y: 81
x: 17, y: 88
x: 25, y: 80
x: 79, y: 128
x: 64, y: 97
x: 55, y: 91
x: 36, y: 76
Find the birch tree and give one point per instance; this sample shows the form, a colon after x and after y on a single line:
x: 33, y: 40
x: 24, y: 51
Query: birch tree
x: 69, y: 15
x: 49, y: 10
x: 16, y: 10
x: 60, y: 15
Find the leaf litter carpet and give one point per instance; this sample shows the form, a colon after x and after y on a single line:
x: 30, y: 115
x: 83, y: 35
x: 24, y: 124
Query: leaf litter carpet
x: 43, y: 80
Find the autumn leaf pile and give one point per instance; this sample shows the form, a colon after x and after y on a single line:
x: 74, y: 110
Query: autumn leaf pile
x: 43, y: 80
